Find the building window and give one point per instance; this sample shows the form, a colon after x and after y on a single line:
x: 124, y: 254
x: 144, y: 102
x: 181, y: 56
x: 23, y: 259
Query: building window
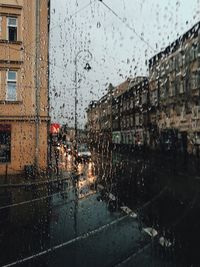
x: 181, y: 87
x: 180, y: 60
x: 131, y: 103
x: 154, y: 97
x: 131, y: 121
x: 195, y: 112
x: 183, y: 113
x: 137, y: 120
x: 195, y: 50
x: 11, y: 86
x: 12, y: 29
x: 144, y: 98
x: 127, y: 121
x: 171, y: 88
x: 162, y: 91
x: 172, y: 64
x: 5, y: 143
x: 194, y: 80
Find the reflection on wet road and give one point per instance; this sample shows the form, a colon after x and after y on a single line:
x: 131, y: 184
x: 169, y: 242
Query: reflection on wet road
x: 109, y: 211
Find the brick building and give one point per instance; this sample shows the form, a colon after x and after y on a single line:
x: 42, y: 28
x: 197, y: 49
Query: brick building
x: 174, y: 78
x: 24, y: 106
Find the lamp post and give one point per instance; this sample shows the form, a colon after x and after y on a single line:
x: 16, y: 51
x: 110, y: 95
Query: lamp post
x: 87, y: 58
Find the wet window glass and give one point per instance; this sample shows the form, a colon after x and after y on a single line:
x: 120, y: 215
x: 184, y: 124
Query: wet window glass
x: 99, y: 133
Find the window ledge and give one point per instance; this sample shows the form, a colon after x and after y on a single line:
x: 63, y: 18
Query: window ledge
x: 11, y: 6
x: 11, y: 102
x: 10, y: 42
x: 5, y: 162
x: 11, y: 62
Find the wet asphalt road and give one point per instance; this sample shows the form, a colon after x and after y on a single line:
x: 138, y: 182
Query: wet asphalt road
x: 84, y: 222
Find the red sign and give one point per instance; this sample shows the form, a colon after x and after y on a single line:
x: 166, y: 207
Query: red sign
x: 55, y: 128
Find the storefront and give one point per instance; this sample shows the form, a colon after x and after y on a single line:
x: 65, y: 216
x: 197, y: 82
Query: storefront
x: 116, y: 137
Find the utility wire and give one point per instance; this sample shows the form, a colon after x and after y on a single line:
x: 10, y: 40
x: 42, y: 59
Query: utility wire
x: 69, y: 242
x: 33, y: 56
x: 43, y: 87
x: 128, y: 26
x: 33, y: 200
x: 75, y: 13
x: 33, y: 183
x: 58, y: 25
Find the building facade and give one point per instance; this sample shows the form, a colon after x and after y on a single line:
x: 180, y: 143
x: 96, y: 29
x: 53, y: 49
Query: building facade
x: 130, y: 114
x: 174, y: 78
x: 99, y: 115
x: 109, y: 119
x: 161, y: 111
x: 93, y: 122
x: 24, y: 102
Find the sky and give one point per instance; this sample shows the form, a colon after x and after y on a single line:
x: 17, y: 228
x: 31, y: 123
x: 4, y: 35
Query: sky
x: 116, y: 38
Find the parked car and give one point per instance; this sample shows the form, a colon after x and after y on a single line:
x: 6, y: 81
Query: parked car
x: 83, y: 152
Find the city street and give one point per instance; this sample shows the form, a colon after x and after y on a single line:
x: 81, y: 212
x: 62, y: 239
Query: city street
x: 99, y: 133
x: 103, y: 214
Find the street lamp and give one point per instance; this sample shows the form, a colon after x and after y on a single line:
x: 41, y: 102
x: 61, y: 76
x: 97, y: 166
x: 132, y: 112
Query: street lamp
x: 87, y: 58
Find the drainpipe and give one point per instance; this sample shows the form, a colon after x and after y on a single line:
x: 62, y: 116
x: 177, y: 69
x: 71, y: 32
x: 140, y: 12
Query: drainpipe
x: 37, y: 83
x: 49, y: 143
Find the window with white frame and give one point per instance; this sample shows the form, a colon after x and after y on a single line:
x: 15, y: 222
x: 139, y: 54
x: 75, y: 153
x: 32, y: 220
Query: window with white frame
x: 11, y: 86
x: 12, y: 29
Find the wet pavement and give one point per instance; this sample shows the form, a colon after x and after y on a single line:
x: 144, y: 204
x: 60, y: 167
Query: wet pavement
x: 114, y: 210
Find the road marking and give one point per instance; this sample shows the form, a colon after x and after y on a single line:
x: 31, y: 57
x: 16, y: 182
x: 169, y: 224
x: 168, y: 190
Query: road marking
x: 82, y: 237
x: 164, y: 242
x: 150, y: 231
x: 128, y: 211
x: 112, y: 197
x: 125, y: 261
x: 32, y: 200
x: 36, y: 183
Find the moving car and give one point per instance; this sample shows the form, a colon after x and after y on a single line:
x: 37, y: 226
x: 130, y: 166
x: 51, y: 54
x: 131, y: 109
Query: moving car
x: 83, y: 152
x: 68, y: 147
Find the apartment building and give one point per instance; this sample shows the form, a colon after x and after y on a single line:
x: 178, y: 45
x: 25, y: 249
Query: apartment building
x: 24, y: 104
x: 174, y: 78
x: 163, y: 109
x: 130, y: 113
x: 93, y: 124
x: 100, y: 114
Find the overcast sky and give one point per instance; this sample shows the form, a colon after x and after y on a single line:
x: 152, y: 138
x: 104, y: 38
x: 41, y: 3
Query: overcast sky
x: 121, y: 36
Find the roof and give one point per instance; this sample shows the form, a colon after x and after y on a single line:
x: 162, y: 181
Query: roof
x: 128, y: 84
x: 191, y: 33
x: 118, y: 90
